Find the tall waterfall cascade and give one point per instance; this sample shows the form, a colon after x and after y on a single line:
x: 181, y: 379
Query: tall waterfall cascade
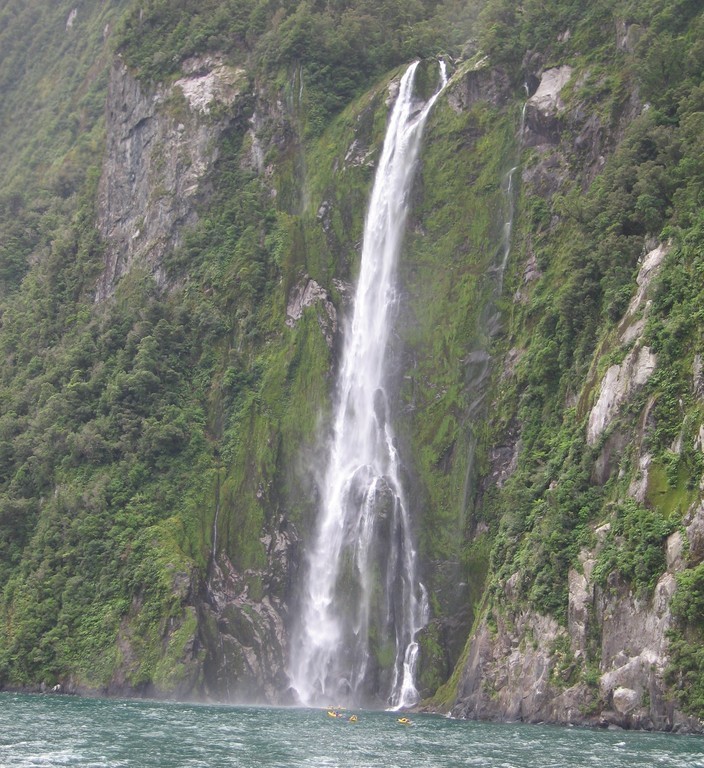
x: 362, y: 602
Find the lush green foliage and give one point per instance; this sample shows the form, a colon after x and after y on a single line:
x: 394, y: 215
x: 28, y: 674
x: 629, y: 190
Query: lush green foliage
x: 686, y: 670
x: 586, y: 242
x: 123, y: 425
x: 52, y: 79
x: 635, y: 547
x: 101, y: 436
x: 336, y: 49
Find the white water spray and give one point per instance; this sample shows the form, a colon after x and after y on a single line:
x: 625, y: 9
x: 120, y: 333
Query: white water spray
x: 362, y: 602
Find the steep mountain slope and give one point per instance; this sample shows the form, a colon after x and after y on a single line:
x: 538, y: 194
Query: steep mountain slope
x: 52, y: 77
x: 170, y: 353
x: 594, y: 474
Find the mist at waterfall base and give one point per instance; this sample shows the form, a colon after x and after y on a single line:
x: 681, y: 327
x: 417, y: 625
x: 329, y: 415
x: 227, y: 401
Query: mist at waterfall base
x: 53, y: 731
x: 362, y: 602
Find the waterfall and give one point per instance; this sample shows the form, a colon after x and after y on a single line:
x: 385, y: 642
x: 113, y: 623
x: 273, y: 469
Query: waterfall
x: 508, y: 228
x: 362, y: 602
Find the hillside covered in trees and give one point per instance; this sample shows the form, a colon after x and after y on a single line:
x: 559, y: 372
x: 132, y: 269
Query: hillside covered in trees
x: 183, y: 198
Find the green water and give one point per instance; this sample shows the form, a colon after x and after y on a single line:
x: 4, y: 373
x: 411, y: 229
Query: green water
x: 67, y: 731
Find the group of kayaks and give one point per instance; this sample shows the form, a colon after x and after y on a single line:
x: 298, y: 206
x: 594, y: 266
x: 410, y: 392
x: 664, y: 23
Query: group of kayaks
x: 338, y: 715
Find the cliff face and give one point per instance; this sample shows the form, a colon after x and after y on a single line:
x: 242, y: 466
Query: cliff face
x: 162, y: 149
x: 524, y: 666
x: 168, y: 398
x: 243, y: 632
x: 161, y: 145
x: 604, y: 656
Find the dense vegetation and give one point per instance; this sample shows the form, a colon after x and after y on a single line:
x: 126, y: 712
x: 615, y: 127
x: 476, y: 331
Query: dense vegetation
x: 586, y: 241
x: 125, y: 425
x: 338, y: 48
x: 52, y: 80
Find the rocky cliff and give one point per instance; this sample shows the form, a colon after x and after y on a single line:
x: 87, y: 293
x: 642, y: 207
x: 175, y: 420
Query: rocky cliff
x: 171, y: 357
x: 524, y: 666
x: 602, y: 653
x: 161, y: 145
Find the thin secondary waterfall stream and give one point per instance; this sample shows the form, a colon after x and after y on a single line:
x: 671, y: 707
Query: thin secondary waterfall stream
x: 362, y: 602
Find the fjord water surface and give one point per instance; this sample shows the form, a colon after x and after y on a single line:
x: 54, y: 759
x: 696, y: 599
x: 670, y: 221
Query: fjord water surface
x: 52, y: 731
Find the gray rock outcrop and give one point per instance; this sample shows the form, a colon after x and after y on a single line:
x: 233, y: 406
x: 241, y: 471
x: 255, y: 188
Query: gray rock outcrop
x: 521, y: 670
x: 242, y: 631
x: 617, y: 386
x: 544, y: 108
x: 307, y: 293
x: 622, y: 380
x: 161, y: 145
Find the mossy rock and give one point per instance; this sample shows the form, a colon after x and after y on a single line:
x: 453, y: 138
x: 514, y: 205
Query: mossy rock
x: 427, y: 79
x: 433, y: 664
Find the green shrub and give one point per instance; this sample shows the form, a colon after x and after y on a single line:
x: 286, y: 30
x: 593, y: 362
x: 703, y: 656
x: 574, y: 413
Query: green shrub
x: 635, y: 547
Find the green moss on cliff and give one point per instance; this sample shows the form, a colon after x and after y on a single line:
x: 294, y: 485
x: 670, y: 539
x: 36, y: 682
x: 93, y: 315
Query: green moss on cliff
x: 447, y: 275
x: 572, y: 285
x: 123, y: 427
x: 685, y: 672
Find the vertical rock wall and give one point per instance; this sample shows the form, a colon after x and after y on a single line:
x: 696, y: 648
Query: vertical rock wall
x: 607, y: 665
x: 162, y: 142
